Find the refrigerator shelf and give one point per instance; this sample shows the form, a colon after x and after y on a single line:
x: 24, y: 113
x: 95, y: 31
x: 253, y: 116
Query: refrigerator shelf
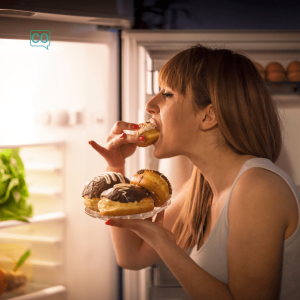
x: 37, y: 291
x: 5, y: 144
x: 44, y: 191
x: 35, y: 263
x: 284, y: 87
x: 29, y: 238
x: 286, y: 99
x: 43, y: 167
x: 54, y: 216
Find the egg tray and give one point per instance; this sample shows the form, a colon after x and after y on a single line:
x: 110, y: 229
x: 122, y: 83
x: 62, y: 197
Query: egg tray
x: 149, y: 214
x: 284, y: 87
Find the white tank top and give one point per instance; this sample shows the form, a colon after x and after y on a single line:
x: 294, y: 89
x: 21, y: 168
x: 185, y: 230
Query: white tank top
x: 212, y: 256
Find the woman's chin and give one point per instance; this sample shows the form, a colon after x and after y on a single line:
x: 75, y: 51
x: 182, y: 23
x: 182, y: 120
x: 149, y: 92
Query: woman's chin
x: 160, y: 151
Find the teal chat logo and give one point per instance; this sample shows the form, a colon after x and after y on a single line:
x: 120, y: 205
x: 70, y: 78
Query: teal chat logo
x: 40, y: 38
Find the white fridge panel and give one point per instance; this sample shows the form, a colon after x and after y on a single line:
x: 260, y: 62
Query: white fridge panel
x: 70, y: 77
x: 289, y: 159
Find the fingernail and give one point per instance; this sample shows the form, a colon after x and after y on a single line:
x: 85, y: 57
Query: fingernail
x: 142, y: 138
x: 89, y: 142
x: 122, y: 135
x: 108, y: 222
x: 134, y: 126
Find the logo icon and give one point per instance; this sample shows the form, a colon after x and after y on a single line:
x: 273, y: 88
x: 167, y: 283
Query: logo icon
x: 40, y: 38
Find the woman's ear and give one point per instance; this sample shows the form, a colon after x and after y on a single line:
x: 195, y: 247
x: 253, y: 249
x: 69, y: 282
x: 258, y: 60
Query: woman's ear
x: 208, y: 118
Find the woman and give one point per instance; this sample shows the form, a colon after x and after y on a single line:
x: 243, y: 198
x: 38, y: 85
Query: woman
x: 239, y: 213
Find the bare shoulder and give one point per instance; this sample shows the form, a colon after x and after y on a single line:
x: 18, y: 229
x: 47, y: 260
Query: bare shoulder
x: 260, y: 191
x: 262, y: 182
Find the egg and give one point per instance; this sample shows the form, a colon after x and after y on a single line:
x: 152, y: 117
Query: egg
x: 260, y: 69
x: 275, y: 67
x: 294, y: 76
x: 293, y: 66
x: 276, y: 76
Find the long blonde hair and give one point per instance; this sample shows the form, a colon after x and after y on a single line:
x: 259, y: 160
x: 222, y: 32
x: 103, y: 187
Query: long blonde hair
x: 246, y: 114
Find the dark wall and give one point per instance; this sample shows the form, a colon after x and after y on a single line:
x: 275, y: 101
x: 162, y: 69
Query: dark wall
x: 217, y: 14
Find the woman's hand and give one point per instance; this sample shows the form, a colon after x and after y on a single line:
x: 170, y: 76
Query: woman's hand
x: 151, y: 232
x: 119, y: 145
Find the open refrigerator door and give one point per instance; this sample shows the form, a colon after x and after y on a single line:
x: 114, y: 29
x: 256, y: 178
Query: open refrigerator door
x: 144, y: 53
x: 52, y: 103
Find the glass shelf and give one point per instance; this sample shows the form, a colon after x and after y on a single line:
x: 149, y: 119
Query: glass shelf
x: 5, y: 144
x: 36, y: 291
x: 36, y: 219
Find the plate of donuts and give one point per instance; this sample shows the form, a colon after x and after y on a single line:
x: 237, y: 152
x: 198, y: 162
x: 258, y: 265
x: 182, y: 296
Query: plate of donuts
x: 112, y: 195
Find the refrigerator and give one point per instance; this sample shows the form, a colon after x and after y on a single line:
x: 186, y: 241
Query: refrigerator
x: 54, y: 99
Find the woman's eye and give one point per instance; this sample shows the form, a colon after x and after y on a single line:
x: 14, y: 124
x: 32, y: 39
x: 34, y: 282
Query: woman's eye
x: 167, y: 95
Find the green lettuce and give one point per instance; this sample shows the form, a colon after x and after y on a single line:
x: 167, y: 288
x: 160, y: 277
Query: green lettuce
x: 14, y: 204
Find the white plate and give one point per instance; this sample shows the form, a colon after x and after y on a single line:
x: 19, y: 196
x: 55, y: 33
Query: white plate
x: 156, y: 210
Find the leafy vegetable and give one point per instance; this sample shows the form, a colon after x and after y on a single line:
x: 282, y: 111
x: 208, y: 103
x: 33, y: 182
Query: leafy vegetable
x: 14, y: 193
x: 21, y: 260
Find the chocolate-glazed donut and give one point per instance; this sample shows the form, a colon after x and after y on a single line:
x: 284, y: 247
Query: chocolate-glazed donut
x: 125, y: 199
x: 93, y: 189
x: 157, y: 183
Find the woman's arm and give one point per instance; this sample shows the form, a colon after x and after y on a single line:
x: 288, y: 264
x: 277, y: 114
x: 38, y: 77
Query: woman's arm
x: 259, y: 216
x: 132, y: 252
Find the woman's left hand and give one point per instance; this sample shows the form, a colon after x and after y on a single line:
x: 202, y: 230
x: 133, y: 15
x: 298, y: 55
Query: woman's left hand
x: 150, y: 232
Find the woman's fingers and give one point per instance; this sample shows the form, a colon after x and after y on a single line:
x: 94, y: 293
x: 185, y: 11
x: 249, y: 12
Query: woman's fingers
x: 120, y: 126
x: 101, y: 150
x: 124, y: 138
x: 129, y: 224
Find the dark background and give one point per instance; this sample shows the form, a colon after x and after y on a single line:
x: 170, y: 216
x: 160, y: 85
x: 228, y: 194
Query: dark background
x: 216, y: 14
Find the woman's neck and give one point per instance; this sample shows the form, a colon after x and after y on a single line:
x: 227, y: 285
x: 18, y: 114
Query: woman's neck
x: 220, y: 170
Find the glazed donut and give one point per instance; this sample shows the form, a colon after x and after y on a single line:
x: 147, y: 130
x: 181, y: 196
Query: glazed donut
x: 149, y: 131
x: 93, y: 189
x: 125, y: 199
x: 157, y: 183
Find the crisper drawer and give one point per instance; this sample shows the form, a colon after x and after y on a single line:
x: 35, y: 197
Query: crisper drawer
x: 163, y: 277
x: 165, y: 286
x: 168, y: 293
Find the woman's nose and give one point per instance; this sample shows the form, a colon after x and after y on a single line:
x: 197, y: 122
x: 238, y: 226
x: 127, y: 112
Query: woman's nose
x: 152, y: 105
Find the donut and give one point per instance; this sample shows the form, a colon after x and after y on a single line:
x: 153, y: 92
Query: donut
x: 149, y: 131
x: 93, y: 189
x: 157, y: 183
x: 125, y: 199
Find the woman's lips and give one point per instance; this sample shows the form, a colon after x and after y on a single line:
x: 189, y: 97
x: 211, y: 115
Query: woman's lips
x: 152, y: 121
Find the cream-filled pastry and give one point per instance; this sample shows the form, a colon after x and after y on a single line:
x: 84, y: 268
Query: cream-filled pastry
x: 149, y: 131
x: 93, y: 189
x: 157, y: 183
x: 125, y: 199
